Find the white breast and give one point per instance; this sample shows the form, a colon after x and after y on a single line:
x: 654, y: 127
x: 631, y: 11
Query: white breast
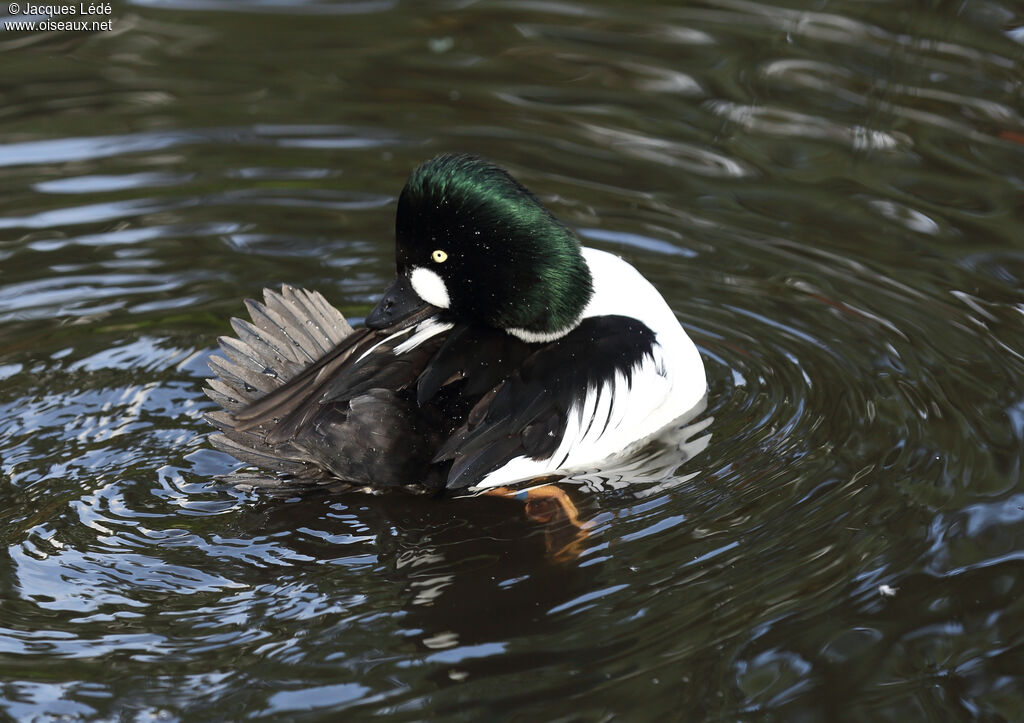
x: 609, y: 420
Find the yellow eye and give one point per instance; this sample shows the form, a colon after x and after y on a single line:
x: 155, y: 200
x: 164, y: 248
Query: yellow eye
x: 439, y: 256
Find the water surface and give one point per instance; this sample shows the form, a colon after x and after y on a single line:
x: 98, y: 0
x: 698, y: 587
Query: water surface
x: 831, y: 197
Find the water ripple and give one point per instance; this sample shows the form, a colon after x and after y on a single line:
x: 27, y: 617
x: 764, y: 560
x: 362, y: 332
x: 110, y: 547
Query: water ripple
x: 829, y: 200
x: 65, y: 150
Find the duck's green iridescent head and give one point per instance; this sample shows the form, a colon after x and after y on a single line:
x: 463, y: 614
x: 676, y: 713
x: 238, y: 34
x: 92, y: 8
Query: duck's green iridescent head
x: 471, y: 239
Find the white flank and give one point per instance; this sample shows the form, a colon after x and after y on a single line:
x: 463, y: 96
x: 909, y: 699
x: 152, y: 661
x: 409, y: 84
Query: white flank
x: 619, y: 416
x: 430, y: 287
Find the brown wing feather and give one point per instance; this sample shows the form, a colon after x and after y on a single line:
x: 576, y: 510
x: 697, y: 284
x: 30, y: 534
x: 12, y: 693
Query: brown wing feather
x: 294, y: 404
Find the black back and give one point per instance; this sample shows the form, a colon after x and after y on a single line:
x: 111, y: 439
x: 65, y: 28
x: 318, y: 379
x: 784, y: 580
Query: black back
x: 443, y: 414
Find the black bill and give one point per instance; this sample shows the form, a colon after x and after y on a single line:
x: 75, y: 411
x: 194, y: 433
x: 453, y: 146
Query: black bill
x: 399, y: 302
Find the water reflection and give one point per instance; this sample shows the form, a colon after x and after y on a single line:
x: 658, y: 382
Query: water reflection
x: 64, y: 150
x: 829, y: 199
x: 466, y: 573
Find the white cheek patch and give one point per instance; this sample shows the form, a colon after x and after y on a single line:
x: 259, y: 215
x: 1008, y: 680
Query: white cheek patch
x: 430, y: 287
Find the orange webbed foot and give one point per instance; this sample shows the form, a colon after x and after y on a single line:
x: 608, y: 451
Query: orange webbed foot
x: 550, y: 506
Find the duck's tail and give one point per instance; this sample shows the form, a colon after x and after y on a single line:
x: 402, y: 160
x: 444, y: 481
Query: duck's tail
x: 289, y: 332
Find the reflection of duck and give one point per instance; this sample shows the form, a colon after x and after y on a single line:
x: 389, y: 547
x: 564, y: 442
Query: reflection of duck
x: 502, y: 351
x: 552, y: 508
x: 449, y: 580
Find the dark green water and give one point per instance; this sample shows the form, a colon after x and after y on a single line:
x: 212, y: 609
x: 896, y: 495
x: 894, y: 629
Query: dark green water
x: 829, y: 194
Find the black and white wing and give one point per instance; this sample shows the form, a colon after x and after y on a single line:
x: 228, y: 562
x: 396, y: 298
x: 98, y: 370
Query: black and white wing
x: 529, y: 413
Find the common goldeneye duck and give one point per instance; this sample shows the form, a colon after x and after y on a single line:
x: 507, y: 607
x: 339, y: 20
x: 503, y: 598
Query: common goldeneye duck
x: 502, y: 351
